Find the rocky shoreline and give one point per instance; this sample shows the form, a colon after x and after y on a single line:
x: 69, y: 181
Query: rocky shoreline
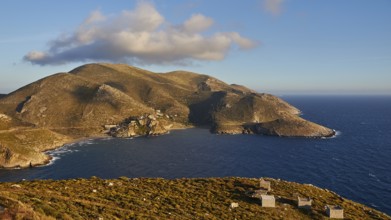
x: 134, y: 126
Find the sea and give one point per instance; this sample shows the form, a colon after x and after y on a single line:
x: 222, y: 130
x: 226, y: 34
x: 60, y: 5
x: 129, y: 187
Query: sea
x: 356, y: 163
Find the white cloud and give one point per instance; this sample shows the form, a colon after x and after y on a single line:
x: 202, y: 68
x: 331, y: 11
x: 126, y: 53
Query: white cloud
x: 36, y: 55
x: 273, y: 6
x: 243, y: 43
x: 197, y: 23
x: 141, y: 36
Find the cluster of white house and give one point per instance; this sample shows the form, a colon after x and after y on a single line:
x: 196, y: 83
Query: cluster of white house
x: 333, y: 211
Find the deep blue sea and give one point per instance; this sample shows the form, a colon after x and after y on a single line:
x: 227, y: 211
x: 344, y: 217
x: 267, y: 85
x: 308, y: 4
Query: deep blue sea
x: 356, y: 163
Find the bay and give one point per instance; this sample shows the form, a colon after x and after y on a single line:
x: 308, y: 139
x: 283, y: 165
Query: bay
x: 355, y: 164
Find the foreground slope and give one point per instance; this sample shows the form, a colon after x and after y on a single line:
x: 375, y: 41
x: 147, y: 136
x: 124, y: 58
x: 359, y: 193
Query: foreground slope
x: 143, y: 198
x: 124, y: 101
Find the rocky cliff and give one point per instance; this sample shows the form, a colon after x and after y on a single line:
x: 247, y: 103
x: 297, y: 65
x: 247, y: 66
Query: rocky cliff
x: 125, y: 101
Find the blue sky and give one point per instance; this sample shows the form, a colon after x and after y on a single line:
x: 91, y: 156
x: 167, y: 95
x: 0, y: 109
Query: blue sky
x: 275, y: 46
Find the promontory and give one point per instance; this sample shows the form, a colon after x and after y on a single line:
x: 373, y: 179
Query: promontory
x: 124, y: 101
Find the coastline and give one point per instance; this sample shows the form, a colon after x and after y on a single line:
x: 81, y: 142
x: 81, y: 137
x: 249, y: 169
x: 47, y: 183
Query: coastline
x: 94, y: 137
x: 49, y: 159
x: 71, y: 142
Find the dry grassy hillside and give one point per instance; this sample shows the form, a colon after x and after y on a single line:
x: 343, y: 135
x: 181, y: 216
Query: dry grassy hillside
x: 143, y: 198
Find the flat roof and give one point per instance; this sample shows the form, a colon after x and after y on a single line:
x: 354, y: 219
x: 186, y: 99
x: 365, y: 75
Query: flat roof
x: 307, y: 199
x: 334, y: 207
x: 267, y: 197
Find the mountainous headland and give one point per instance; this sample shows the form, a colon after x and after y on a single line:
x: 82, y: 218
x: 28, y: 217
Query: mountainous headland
x: 96, y: 100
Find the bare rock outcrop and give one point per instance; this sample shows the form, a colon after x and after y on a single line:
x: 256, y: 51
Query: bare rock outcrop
x: 144, y: 125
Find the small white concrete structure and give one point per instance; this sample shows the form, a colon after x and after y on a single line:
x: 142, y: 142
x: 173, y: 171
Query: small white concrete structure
x: 334, y: 211
x: 268, y: 201
x: 264, y: 184
x: 234, y: 205
x: 304, y: 202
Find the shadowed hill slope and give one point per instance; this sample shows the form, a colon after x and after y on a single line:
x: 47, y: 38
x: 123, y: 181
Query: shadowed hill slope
x: 132, y: 101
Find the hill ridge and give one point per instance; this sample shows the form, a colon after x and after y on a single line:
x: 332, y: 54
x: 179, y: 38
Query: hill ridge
x: 89, y: 99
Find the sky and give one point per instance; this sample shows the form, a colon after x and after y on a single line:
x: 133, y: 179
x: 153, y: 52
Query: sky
x: 274, y: 46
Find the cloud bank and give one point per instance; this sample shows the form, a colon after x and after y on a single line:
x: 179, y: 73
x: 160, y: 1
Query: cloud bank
x: 140, y: 36
x: 273, y: 6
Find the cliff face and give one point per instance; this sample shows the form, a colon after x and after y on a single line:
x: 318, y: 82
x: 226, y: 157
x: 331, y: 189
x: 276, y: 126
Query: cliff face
x: 25, y: 147
x: 82, y: 102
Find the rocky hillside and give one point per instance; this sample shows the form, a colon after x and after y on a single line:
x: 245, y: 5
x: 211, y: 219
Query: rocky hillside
x: 124, y: 101
x: 143, y: 198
